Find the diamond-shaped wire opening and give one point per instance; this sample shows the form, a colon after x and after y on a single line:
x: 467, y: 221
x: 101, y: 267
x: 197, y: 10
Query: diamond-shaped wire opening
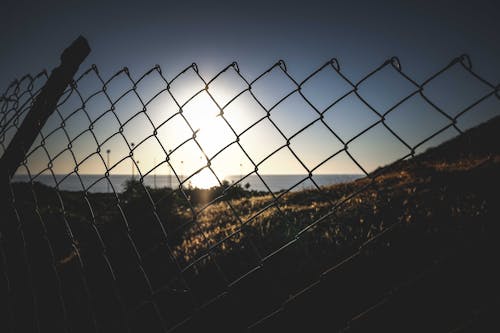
x: 272, y: 87
x: 121, y: 173
x: 97, y: 105
x: 305, y: 183
x: 127, y: 106
x: 105, y: 127
x: 151, y: 180
x: 187, y: 160
x: 147, y: 154
x: 213, y: 133
x: 63, y: 164
x: 56, y: 142
x: 349, y: 117
x: 71, y: 182
x: 454, y: 90
x: 96, y: 183
x: 161, y: 108
x: 88, y: 85
x: 92, y: 165
x: 37, y: 161
x: 306, y: 146
x: 337, y: 169
x: 76, y: 124
x: 165, y: 177
x: 150, y: 85
x: 215, y: 137
x: 137, y: 128
x: 279, y: 183
x: 385, y: 88
x: 252, y: 140
x: 69, y: 103
x: 53, y: 123
x: 118, y: 86
x: 377, y: 148
x: 257, y: 182
x: 83, y: 146
x: 243, y: 112
x: 174, y: 132
x: 205, y: 179
x: 324, y: 88
x: 415, y: 120
x: 186, y: 86
x: 282, y: 165
x: 118, y: 150
x: 232, y: 164
x: 293, y: 114
x: 200, y: 110
x: 226, y: 87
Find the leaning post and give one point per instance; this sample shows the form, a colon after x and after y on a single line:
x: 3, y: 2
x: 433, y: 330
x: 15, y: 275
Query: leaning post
x: 44, y: 105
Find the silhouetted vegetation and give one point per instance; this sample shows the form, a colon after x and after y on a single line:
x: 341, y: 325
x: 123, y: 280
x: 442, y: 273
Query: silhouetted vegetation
x: 417, y: 224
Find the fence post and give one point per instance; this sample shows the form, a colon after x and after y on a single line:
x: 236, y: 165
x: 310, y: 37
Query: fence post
x: 44, y: 105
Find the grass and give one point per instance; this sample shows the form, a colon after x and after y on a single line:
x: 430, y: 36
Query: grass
x: 127, y: 249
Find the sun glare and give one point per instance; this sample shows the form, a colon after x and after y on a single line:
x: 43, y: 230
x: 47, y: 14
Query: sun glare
x: 212, y: 135
x: 204, y: 179
x: 212, y: 131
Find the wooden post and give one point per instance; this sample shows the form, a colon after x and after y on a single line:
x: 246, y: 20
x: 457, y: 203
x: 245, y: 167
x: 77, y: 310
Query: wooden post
x: 44, y: 105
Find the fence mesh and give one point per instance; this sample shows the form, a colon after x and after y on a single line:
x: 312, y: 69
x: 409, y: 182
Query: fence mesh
x: 124, y: 214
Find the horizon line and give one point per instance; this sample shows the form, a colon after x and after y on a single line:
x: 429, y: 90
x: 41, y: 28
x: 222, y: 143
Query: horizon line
x: 172, y: 175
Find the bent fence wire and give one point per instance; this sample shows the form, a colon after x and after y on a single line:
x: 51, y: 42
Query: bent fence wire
x: 102, y: 258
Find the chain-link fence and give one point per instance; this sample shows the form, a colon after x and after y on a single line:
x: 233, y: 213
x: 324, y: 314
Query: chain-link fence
x: 181, y: 203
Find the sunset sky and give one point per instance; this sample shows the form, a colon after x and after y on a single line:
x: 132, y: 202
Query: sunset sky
x: 361, y: 35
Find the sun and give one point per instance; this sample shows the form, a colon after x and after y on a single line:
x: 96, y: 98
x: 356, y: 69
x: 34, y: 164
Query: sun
x: 204, y: 179
x: 204, y: 117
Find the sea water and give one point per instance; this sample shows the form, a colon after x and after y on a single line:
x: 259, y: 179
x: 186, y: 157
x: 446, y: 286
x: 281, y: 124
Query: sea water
x: 99, y: 183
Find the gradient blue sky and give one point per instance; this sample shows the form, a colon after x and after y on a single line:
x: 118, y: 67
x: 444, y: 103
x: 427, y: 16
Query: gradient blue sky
x: 425, y: 35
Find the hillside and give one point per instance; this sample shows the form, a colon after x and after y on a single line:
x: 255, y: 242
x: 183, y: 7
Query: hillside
x: 455, y: 178
x: 413, y: 247
x: 427, y: 222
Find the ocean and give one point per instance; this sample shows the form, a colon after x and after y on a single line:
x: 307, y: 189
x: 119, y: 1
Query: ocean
x: 98, y: 183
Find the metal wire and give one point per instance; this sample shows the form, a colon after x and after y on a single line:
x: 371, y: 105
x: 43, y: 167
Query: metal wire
x: 89, y: 241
